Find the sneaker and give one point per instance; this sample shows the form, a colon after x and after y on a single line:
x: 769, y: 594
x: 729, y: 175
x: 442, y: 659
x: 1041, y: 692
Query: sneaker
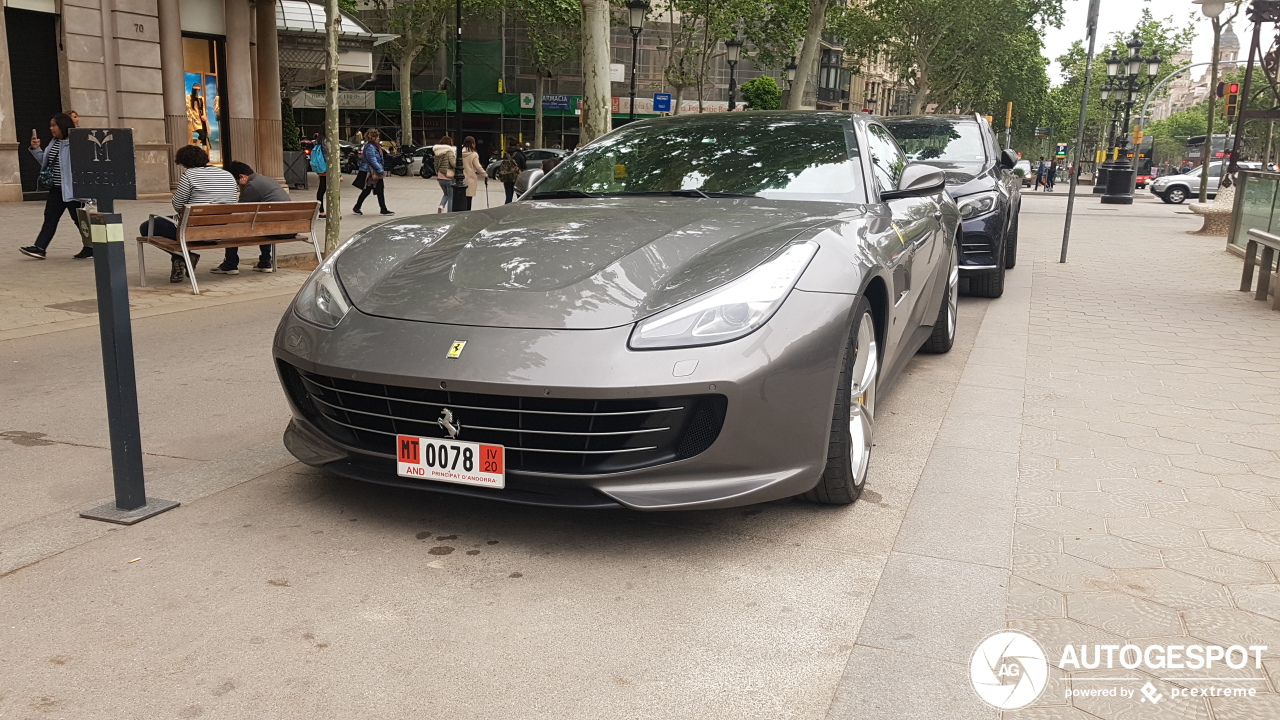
x: 263, y: 268
x: 32, y: 251
x: 177, y: 270
x: 386, y: 212
x: 220, y: 270
x: 85, y: 252
x: 356, y: 211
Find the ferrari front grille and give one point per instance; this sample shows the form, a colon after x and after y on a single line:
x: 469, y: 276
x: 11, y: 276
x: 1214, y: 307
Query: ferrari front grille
x: 541, y: 434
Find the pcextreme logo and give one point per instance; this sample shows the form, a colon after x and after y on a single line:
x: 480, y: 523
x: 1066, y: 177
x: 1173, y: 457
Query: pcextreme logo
x: 1009, y: 670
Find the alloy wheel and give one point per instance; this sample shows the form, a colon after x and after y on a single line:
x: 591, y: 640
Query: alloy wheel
x: 862, y: 398
x: 953, y: 301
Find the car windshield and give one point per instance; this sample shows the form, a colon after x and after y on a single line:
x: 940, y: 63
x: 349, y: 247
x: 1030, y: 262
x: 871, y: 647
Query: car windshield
x: 931, y: 139
x: 782, y: 157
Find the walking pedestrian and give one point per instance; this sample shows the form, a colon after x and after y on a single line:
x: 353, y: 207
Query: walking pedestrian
x: 512, y: 165
x: 1051, y: 176
x: 1040, y: 170
x: 446, y: 166
x: 55, y: 176
x: 253, y: 188
x: 320, y: 166
x: 473, y: 171
x: 372, y: 171
x: 201, y: 184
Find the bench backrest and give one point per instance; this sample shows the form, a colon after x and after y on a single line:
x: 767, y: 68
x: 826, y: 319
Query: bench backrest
x: 240, y: 220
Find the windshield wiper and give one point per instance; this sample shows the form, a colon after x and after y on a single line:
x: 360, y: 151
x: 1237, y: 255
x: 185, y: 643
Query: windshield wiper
x: 568, y: 193
x: 686, y: 192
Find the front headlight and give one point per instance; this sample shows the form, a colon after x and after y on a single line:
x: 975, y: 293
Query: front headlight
x: 321, y: 299
x: 729, y: 312
x: 981, y: 203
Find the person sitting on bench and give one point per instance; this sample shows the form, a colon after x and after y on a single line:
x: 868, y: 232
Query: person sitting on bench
x: 202, y: 183
x: 253, y: 188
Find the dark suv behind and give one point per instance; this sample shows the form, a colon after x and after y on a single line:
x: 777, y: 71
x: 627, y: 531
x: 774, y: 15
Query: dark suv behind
x: 980, y: 178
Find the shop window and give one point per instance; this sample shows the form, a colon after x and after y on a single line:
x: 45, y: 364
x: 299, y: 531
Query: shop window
x: 202, y: 64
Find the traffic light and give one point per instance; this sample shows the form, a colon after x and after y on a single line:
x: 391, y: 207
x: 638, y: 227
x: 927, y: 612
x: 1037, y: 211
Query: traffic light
x: 1233, y: 99
x: 1222, y: 86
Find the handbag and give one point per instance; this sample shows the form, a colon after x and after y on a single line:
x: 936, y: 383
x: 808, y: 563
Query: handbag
x: 361, y: 177
x: 45, y: 181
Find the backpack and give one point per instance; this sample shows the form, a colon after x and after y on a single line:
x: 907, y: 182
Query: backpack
x: 509, y: 170
x: 318, y: 164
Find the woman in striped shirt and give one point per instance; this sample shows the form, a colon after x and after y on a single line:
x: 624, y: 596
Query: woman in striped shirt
x: 202, y: 183
x: 57, y: 160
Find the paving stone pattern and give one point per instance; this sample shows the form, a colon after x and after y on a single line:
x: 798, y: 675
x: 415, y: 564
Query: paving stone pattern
x: 1148, y: 501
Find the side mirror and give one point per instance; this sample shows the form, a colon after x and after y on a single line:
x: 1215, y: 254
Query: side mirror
x: 1008, y: 159
x: 917, y: 179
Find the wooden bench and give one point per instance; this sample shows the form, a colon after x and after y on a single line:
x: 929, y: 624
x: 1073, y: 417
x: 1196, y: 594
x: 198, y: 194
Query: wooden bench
x: 214, y: 227
x: 1270, y: 247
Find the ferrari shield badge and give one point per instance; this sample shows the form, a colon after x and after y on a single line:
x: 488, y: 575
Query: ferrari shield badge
x: 455, y: 350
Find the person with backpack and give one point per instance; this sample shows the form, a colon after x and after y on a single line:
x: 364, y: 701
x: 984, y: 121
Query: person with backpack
x: 509, y: 171
x: 320, y: 166
x: 446, y: 165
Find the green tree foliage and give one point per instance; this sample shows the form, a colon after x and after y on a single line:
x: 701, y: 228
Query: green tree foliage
x: 555, y: 37
x: 1062, y: 108
x: 288, y: 128
x: 762, y: 93
x: 944, y: 49
x: 417, y: 25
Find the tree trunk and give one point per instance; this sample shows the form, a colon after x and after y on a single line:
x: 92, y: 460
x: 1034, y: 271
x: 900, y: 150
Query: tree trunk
x: 539, y: 90
x: 406, y: 94
x: 808, y: 51
x: 922, y: 93
x: 678, y: 97
x: 333, y: 154
x: 597, y: 118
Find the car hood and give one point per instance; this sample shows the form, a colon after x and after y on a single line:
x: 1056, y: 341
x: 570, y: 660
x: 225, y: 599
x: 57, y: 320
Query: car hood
x: 566, y: 264
x: 957, y: 173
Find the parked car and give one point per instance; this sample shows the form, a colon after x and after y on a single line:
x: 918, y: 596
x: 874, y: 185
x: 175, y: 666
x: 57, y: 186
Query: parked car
x: 1027, y: 175
x: 532, y: 157
x: 674, y: 318
x: 980, y: 178
x: 1175, y: 189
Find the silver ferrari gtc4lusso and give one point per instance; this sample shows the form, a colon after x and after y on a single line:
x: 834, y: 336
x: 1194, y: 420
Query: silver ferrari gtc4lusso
x: 689, y: 312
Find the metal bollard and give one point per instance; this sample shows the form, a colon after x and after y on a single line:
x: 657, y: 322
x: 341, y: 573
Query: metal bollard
x: 105, y: 232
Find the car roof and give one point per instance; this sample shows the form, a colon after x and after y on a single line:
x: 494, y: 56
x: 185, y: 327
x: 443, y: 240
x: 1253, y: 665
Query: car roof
x: 950, y: 119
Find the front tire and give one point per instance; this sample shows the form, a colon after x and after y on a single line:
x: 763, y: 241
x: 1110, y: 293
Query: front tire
x: 852, y: 420
x: 1011, y: 245
x: 1175, y: 195
x: 944, y: 328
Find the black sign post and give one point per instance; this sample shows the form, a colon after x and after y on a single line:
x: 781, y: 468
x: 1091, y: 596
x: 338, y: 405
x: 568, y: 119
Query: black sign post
x: 102, y: 170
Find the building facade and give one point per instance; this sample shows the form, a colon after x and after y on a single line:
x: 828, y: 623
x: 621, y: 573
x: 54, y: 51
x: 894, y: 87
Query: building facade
x: 1187, y: 90
x: 178, y: 72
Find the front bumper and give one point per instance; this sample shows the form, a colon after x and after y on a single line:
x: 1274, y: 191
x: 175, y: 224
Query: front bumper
x: 982, y: 243
x: 779, y: 384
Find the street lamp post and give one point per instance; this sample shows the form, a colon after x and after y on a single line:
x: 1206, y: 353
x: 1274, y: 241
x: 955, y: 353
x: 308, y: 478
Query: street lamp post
x: 1111, y: 100
x: 1211, y: 9
x: 636, y: 9
x: 790, y: 70
x: 1132, y: 75
x: 460, y: 200
x: 732, y: 52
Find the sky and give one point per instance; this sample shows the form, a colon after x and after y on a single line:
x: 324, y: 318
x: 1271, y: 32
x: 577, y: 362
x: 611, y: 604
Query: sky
x: 1122, y: 16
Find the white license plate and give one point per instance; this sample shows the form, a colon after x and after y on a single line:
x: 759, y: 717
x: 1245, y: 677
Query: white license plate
x: 465, y: 463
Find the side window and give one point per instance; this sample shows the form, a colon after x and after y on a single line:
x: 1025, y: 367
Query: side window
x: 887, y: 160
x: 1215, y: 171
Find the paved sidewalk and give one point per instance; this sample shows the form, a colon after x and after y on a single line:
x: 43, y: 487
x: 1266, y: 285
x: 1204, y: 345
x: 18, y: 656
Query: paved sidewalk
x: 1148, y: 470
x: 58, y: 293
